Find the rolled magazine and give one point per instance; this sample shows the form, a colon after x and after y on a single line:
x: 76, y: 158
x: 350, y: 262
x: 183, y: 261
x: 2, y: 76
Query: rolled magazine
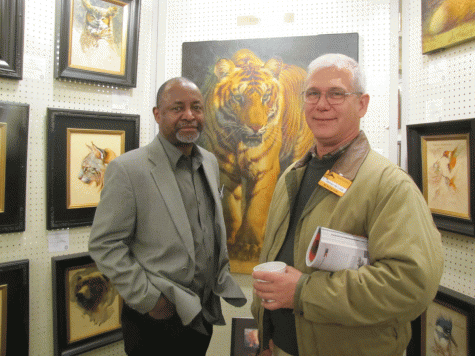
x: 332, y: 250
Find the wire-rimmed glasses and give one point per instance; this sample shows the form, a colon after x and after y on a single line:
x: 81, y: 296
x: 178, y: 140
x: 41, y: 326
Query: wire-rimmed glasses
x: 334, y: 97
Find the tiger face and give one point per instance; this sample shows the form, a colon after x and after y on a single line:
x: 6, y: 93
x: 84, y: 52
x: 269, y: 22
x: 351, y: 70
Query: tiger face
x: 248, y: 105
x: 255, y: 127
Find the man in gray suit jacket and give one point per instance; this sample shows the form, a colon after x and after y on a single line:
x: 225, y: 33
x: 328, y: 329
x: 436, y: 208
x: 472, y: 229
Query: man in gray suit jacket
x: 159, y: 233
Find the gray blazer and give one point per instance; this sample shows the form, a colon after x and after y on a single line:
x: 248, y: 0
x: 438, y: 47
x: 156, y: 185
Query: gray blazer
x: 141, y: 237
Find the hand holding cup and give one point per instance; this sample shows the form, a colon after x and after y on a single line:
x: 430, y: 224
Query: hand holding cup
x: 273, y: 266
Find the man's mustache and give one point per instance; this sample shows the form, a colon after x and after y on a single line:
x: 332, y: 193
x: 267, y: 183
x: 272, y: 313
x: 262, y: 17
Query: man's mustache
x: 183, y: 124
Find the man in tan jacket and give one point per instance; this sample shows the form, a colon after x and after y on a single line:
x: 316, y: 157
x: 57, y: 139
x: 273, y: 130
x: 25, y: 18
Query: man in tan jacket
x: 368, y: 311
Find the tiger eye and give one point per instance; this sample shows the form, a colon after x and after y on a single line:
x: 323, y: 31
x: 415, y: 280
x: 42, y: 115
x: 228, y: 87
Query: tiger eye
x: 238, y: 98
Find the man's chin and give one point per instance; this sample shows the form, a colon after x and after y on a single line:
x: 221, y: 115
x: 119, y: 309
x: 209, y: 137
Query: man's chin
x: 190, y: 138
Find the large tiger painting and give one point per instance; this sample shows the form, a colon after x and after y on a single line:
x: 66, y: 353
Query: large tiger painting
x: 255, y: 126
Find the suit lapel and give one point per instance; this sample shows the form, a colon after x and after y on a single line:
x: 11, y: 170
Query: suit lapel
x: 166, y: 184
x: 211, y: 178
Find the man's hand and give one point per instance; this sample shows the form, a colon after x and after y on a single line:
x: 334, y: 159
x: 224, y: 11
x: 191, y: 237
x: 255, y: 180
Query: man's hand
x: 164, y: 309
x: 279, y: 289
x: 267, y: 352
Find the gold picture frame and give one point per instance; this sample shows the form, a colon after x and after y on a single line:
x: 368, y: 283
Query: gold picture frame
x: 88, y: 154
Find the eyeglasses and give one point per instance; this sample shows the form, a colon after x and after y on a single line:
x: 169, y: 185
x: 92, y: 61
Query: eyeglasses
x: 334, y: 97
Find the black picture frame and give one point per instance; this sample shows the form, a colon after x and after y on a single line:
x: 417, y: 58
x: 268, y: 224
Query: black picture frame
x: 15, y: 275
x: 62, y: 346
x: 453, y: 304
x: 59, y: 121
x: 15, y: 117
x: 244, y: 337
x: 11, y: 38
x: 66, y: 66
x: 417, y: 136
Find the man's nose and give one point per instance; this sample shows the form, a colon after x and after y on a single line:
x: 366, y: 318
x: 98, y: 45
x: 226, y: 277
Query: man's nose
x: 323, y: 103
x: 188, y: 114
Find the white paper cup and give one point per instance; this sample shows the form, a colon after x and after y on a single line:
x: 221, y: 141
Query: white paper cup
x: 273, y: 266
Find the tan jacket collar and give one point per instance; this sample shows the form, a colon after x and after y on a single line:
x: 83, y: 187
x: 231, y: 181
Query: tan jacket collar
x: 349, y: 162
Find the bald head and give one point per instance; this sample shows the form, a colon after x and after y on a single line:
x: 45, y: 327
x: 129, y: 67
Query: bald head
x: 170, y: 82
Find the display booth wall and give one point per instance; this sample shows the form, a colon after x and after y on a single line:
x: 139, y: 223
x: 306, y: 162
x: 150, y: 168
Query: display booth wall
x: 164, y: 26
x: 439, y: 87
x: 41, y: 90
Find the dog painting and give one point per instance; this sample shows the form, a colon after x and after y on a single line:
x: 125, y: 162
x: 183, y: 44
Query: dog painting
x: 94, y: 304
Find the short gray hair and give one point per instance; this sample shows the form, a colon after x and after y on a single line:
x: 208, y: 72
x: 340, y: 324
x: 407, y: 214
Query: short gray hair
x: 340, y: 61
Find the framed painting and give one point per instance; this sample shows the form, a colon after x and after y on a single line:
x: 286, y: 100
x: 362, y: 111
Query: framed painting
x: 3, y: 319
x: 98, y: 41
x: 244, y: 337
x: 446, y: 327
x: 13, y: 156
x: 14, y: 308
x: 255, y: 143
x: 80, y: 146
x: 446, y: 23
x: 86, y: 306
x: 12, y: 22
x: 441, y: 160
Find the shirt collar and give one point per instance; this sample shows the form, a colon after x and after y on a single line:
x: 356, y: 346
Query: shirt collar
x: 351, y: 156
x: 339, y: 151
x: 174, y: 154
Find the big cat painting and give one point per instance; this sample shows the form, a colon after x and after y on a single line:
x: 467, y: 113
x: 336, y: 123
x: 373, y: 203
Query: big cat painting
x: 254, y: 122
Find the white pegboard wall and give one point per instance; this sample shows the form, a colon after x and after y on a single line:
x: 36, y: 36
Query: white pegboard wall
x: 190, y: 20
x: 199, y: 20
x: 41, y: 90
x: 439, y: 87
x: 459, y: 270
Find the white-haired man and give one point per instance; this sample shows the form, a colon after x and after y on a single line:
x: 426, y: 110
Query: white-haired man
x: 307, y: 311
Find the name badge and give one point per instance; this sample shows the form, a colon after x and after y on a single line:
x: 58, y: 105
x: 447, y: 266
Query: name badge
x: 335, y: 183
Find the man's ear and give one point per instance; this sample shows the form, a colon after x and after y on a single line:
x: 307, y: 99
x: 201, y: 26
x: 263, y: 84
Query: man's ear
x: 156, y: 114
x: 363, y: 102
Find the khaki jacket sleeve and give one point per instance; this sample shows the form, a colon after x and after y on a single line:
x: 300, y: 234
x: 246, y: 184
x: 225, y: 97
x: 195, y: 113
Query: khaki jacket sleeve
x: 407, y: 260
